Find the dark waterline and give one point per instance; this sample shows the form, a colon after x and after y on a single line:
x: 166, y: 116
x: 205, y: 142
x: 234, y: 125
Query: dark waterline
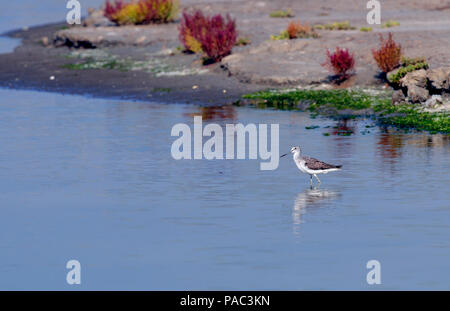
x: 93, y: 180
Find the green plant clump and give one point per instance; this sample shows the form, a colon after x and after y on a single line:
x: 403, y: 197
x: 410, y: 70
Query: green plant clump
x: 243, y: 42
x: 410, y: 116
x: 101, y: 60
x: 316, y: 99
x: 335, y: 26
x: 390, y: 23
x: 282, y: 14
x: 407, y: 61
x: 312, y: 127
x: 120, y: 65
x: 365, y: 29
x: 396, y: 77
x: 284, y: 35
x: 324, y: 101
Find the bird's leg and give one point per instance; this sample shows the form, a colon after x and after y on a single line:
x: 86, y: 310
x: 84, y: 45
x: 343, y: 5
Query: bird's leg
x: 310, y: 180
x: 317, y: 178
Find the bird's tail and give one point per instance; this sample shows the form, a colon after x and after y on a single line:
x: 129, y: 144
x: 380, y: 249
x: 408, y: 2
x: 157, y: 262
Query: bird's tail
x: 338, y: 166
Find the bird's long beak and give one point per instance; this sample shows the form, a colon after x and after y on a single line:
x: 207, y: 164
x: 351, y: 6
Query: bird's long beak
x: 284, y: 155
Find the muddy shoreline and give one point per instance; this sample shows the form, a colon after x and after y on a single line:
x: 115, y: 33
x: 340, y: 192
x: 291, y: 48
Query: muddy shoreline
x: 32, y: 65
x: 263, y: 64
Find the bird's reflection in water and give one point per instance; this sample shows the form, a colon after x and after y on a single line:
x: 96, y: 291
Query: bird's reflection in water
x: 310, y: 198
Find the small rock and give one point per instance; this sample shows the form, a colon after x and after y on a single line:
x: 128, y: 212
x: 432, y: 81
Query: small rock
x: 417, y: 94
x: 52, y: 78
x: 398, y: 97
x: 434, y: 102
x: 416, y: 84
x: 141, y: 39
x: 96, y: 18
x: 194, y: 87
x: 45, y: 41
x: 439, y: 78
x: 415, y: 78
x: 166, y: 52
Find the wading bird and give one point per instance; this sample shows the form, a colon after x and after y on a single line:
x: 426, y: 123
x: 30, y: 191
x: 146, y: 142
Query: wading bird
x: 311, y: 166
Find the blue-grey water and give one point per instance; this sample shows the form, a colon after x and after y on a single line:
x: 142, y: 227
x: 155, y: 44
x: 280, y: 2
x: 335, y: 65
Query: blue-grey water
x: 94, y: 180
x: 23, y: 14
x: 7, y: 44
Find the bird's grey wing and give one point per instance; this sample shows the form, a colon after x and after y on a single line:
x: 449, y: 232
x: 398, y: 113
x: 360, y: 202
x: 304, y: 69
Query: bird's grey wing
x: 314, y: 164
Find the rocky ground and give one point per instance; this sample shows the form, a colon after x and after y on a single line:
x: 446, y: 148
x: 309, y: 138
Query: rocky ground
x: 143, y: 62
x: 430, y: 88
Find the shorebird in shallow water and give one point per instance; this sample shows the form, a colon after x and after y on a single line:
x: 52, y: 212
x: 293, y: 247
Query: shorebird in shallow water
x: 311, y: 166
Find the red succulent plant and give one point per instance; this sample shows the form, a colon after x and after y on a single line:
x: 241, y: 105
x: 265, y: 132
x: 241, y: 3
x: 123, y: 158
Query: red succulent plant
x: 213, y: 35
x: 388, y: 55
x: 341, y: 62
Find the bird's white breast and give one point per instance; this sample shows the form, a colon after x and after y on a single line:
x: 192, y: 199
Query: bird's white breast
x: 301, y: 165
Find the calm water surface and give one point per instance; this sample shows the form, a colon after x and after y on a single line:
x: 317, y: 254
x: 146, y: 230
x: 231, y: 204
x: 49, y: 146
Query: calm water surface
x: 22, y: 14
x: 93, y: 180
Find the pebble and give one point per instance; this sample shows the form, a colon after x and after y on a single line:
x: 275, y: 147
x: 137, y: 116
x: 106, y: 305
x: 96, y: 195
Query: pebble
x: 45, y: 41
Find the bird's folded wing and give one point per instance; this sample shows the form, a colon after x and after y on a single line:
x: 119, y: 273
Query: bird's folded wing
x: 315, y: 164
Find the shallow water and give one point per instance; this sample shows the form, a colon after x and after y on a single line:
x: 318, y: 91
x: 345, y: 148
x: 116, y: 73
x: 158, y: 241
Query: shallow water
x: 7, y: 45
x: 26, y: 13
x: 93, y: 180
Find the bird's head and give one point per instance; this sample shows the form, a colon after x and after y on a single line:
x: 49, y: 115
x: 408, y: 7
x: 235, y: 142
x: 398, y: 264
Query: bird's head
x: 295, y: 149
